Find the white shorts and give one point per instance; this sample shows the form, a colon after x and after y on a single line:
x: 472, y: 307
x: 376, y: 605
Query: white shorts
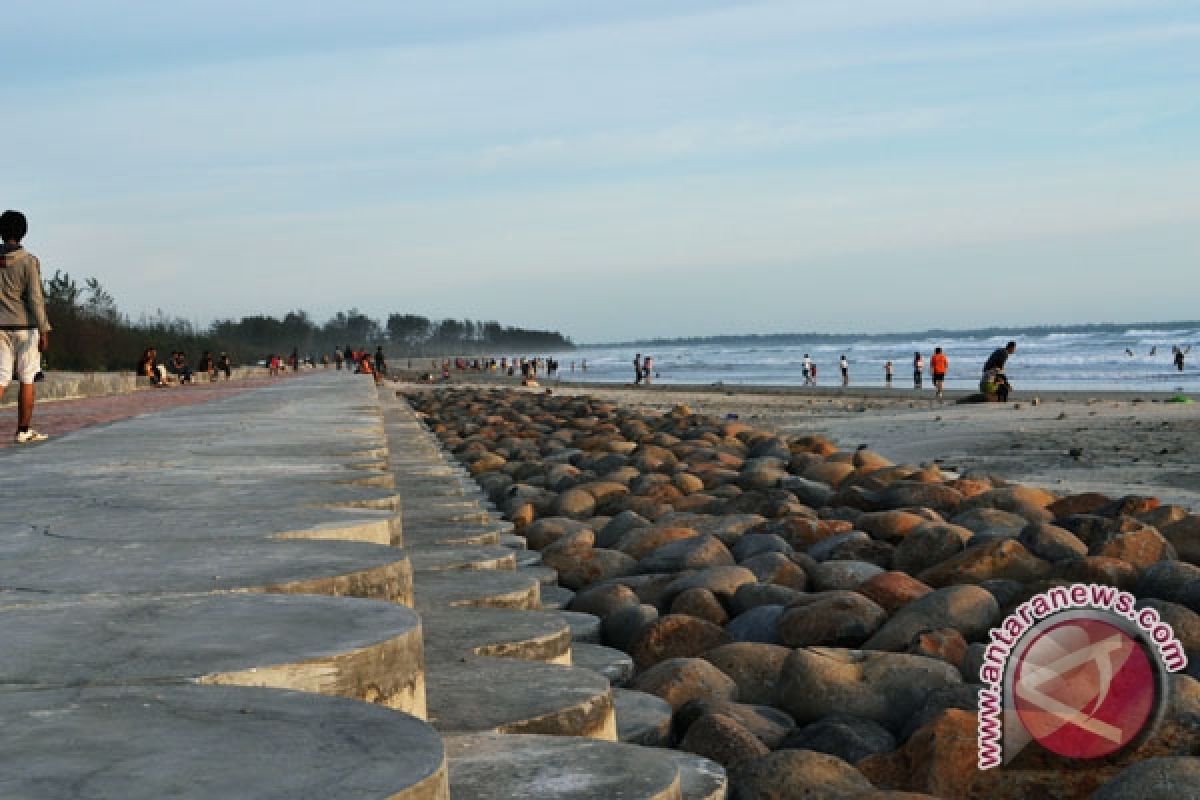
x: 21, y: 348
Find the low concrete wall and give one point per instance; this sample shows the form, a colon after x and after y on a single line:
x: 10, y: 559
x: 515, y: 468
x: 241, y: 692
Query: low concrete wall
x: 63, y: 385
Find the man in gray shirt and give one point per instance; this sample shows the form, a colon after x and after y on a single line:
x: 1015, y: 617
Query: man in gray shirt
x: 24, y: 329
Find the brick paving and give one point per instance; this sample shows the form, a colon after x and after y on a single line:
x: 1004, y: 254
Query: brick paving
x: 58, y: 417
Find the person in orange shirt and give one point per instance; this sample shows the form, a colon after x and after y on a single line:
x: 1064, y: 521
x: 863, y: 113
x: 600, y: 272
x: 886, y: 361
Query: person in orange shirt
x: 939, y: 364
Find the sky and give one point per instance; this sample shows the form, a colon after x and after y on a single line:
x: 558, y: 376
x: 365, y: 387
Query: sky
x: 615, y: 170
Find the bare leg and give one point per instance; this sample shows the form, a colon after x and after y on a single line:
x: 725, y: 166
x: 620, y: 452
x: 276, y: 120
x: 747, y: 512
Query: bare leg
x: 25, y: 398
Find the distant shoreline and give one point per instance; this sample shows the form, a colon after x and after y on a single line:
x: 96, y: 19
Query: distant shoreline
x: 900, y: 393
x: 814, y: 337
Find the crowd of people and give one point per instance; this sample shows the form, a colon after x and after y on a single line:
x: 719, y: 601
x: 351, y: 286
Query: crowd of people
x: 177, y: 370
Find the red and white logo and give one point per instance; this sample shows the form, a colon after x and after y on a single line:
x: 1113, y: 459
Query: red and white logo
x: 1079, y: 670
x: 1084, y: 688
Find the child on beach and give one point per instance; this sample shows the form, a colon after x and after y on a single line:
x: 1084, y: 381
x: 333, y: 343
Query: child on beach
x: 939, y: 364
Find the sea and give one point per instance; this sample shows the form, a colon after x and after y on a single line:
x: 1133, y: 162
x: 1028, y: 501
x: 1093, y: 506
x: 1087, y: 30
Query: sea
x: 1097, y: 358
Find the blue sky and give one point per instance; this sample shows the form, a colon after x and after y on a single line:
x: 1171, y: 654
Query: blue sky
x: 620, y: 169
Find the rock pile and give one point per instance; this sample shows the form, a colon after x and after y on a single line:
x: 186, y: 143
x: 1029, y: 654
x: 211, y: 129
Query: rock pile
x: 815, y: 618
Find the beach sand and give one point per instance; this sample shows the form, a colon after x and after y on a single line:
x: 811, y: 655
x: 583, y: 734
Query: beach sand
x: 1117, y: 443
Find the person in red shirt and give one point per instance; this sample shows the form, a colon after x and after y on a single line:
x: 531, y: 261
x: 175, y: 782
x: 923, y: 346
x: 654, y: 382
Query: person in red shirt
x: 939, y: 364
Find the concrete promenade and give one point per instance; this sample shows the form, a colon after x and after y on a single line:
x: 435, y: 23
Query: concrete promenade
x: 291, y: 592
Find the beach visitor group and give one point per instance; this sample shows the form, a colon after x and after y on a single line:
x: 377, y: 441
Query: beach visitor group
x: 993, y: 383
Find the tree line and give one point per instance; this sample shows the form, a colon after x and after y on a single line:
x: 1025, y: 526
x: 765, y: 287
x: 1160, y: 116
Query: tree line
x: 91, y: 333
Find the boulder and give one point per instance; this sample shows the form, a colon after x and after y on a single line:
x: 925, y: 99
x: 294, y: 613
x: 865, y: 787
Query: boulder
x: 810, y: 492
x: 945, y: 644
x: 886, y: 687
x: 722, y: 739
x: 701, y: 604
x: 698, y: 552
x: 796, y: 774
x: 544, y: 532
x: 848, y: 575
x: 751, y: 544
x: 758, y: 624
x: 929, y: 544
x: 827, y: 472
x: 892, y: 590
x: 687, y: 483
x: 622, y: 627
x: 679, y: 680
x: 1184, y: 536
x: 618, y: 526
x: 752, y: 595
x: 1051, y: 542
x: 768, y: 725
x: 1000, y: 559
x: 582, y: 567
x: 872, y: 551
x: 1175, y: 581
x: 1139, y: 548
x: 1097, y: 569
x: 937, y: 496
x: 824, y: 550
x: 849, y: 738
x: 753, y: 667
x: 1083, y: 503
x: 721, y: 581
x: 833, y: 618
x: 1168, y: 778
x: 970, y: 610
x: 889, y: 525
x: 675, y: 636
x: 604, y: 599
x: 640, y: 542
x: 778, y: 569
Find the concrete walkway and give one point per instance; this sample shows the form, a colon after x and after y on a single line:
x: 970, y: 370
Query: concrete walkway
x: 293, y: 592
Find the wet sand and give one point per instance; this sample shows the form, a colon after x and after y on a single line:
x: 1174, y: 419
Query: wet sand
x: 1117, y: 443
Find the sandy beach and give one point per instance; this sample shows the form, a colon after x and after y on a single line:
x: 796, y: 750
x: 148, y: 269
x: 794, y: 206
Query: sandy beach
x: 1117, y: 443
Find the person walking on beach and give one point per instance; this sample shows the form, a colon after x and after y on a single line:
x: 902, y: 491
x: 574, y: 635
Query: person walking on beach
x: 808, y: 370
x: 637, y: 369
x: 994, y: 381
x: 887, y: 374
x: 24, y: 328
x: 1179, y: 359
x: 918, y: 369
x: 939, y: 364
x: 845, y: 365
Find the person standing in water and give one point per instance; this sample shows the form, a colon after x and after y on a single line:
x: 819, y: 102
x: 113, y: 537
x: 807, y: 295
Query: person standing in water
x: 887, y: 374
x: 647, y: 369
x: 939, y: 364
x: 845, y: 367
x: 918, y: 369
x: 807, y: 370
x: 637, y: 369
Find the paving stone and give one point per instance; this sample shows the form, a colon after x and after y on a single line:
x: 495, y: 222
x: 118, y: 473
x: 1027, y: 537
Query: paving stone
x: 202, y: 742
x: 493, y: 767
x: 337, y: 646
